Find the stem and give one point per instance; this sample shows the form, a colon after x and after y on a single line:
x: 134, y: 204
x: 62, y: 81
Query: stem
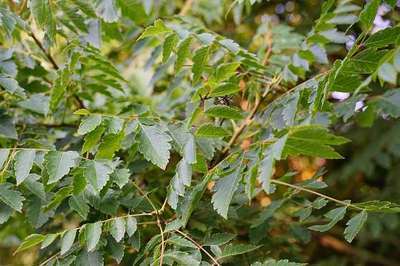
x: 46, y: 53
x: 157, y: 213
x: 317, y: 193
x: 103, y: 221
x: 186, y: 7
x: 249, y: 119
x: 215, y: 262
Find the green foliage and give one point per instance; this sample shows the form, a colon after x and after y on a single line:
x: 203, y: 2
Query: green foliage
x: 198, y: 132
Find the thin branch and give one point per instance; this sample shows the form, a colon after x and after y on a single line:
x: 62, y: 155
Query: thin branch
x: 46, y: 53
x: 157, y: 213
x: 249, y: 119
x: 186, y: 7
x: 57, y: 254
x: 316, y: 193
x: 215, y: 262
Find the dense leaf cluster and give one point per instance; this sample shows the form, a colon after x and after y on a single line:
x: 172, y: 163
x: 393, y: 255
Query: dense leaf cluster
x: 132, y: 131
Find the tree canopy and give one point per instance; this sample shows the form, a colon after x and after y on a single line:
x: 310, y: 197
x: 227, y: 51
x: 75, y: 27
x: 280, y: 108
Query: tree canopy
x: 199, y: 132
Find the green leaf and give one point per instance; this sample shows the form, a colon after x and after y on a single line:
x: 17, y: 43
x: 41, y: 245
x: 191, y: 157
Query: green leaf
x: 225, y: 89
x: 225, y: 188
x: 116, y: 250
x: 107, y: 10
x: 59, y: 197
x: 237, y: 249
x: 379, y: 206
x: 271, y: 153
x: 30, y: 241
x: 131, y: 225
x: 388, y: 73
x: 41, y: 11
x: 7, y: 127
x: 98, y: 173
x: 118, y: 229
x: 89, y: 124
x: 154, y: 144
x: 182, y: 258
x: 200, y: 58
x: 4, y: 153
x: 58, y: 164
x: 182, y: 53
x: 389, y: 103
x: 219, y: 239
x: 92, y: 139
x: 368, y: 14
x: 354, y: 226
x: 396, y: 61
x: 35, y: 186
x: 11, y: 197
x: 272, y: 262
x: 224, y: 111
x: 37, y: 103
x: 121, y: 177
x: 169, y: 44
x: 82, y: 111
x: 179, y: 182
x: 67, y: 241
x: 227, y: 70
x: 313, y: 141
x: 48, y: 240
x: 211, y: 131
x: 334, y: 215
x: 89, y: 259
x: 23, y: 164
x: 78, y: 204
x: 93, y: 233
x: 110, y: 144
x: 155, y: 30
x: 384, y: 37
x: 11, y: 85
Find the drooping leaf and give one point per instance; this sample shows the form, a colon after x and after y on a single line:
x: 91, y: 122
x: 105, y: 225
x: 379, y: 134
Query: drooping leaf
x: 118, y: 229
x: 30, y: 241
x: 131, y: 225
x: 154, y: 144
x: 93, y: 234
x: 224, y: 191
x: 23, y: 164
x: 67, y: 241
x: 354, y: 225
x: 11, y: 197
x: 334, y: 215
x: 58, y: 164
